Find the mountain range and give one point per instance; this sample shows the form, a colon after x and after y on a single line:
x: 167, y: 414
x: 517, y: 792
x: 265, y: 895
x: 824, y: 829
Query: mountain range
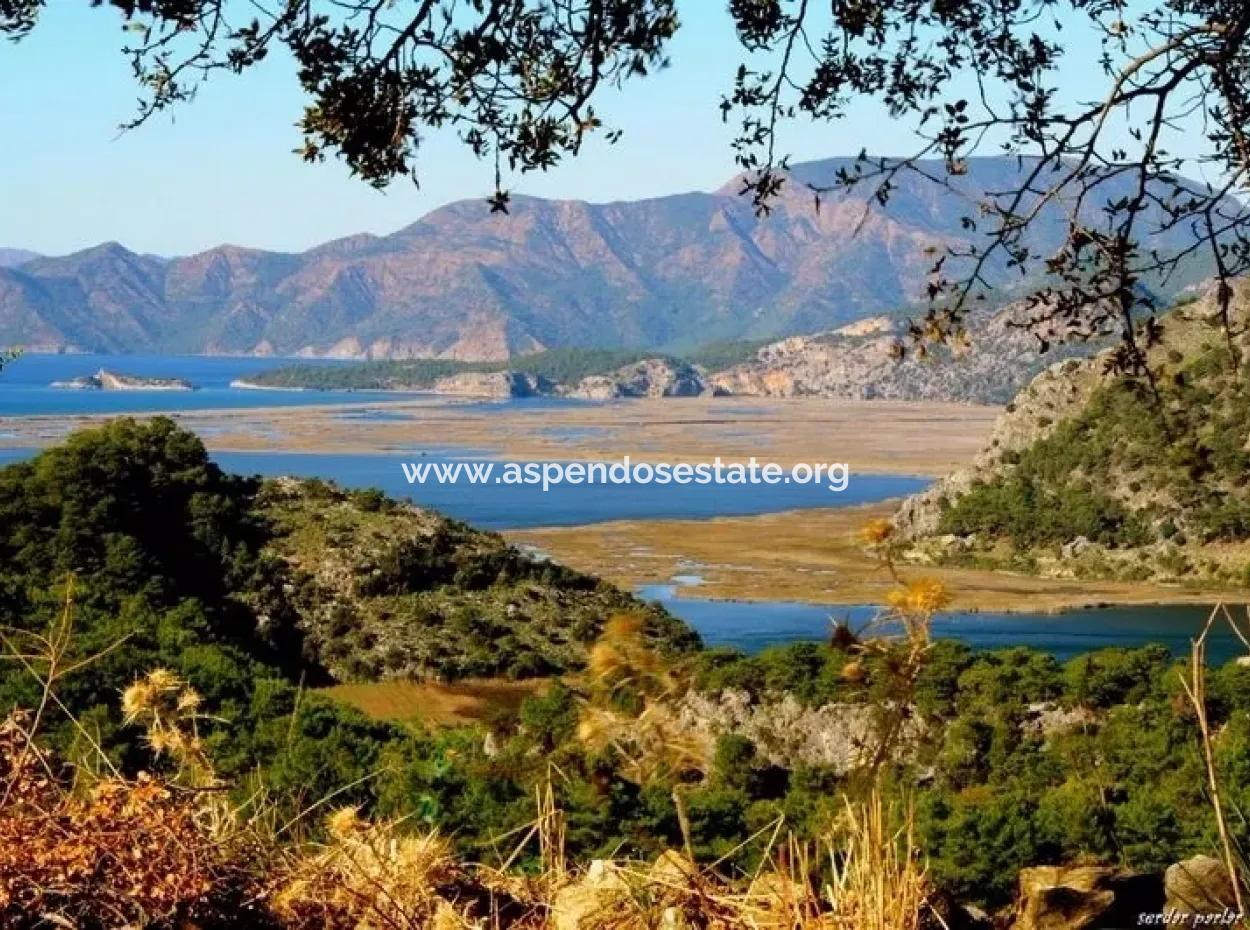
x: 462, y: 283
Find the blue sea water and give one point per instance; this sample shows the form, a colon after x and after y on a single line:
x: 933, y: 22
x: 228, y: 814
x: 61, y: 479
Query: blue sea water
x: 25, y: 388
x: 503, y: 506
x: 752, y: 626
x: 25, y: 385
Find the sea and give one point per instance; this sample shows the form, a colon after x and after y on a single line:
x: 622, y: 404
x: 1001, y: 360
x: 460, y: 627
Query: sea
x: 25, y: 385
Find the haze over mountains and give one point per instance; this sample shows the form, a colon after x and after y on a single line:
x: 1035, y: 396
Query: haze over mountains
x: 666, y: 273
x: 12, y: 257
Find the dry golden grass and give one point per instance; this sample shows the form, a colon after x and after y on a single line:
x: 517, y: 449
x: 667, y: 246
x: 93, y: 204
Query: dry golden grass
x: 435, y: 703
x: 120, y: 853
x: 818, y: 556
x: 80, y: 849
x: 877, y: 879
x: 370, y: 876
x: 83, y: 849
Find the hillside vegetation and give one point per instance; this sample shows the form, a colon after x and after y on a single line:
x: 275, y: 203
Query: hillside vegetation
x: 388, y: 590
x: 234, y: 581
x: 561, y: 367
x: 163, y: 760
x: 1093, y: 473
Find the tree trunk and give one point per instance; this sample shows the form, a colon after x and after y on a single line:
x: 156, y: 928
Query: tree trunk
x: 683, y: 822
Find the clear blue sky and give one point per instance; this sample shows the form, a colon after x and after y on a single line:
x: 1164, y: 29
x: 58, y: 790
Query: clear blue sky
x: 221, y: 168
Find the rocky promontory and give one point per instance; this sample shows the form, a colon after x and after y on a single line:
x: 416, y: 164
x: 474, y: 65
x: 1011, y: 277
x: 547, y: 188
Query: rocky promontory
x: 105, y: 380
x: 650, y: 377
x: 498, y: 384
x: 1090, y: 472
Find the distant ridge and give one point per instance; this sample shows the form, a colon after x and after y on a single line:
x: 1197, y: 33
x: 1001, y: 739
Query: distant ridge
x: 10, y: 258
x: 666, y: 273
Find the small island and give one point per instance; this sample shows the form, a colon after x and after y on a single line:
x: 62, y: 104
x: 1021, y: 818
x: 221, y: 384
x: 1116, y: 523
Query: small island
x: 104, y: 380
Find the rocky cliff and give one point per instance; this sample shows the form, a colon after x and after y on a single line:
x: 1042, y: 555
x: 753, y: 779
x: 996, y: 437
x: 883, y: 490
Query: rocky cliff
x: 651, y: 377
x: 496, y: 384
x: 858, y: 361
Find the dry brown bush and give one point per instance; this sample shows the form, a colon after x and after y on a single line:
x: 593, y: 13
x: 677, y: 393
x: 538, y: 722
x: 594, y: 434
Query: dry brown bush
x: 115, y: 853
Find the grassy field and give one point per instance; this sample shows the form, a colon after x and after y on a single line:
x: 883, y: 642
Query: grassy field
x: 872, y: 436
x: 434, y: 703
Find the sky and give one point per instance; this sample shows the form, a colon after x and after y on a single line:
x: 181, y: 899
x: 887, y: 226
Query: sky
x: 221, y: 169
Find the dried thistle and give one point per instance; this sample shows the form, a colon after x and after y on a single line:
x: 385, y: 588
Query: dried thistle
x: 168, y: 710
x: 877, y: 531
x: 924, y: 596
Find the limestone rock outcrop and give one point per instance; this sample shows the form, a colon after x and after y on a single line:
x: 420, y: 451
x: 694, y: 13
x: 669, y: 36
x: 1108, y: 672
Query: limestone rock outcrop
x: 1056, y: 897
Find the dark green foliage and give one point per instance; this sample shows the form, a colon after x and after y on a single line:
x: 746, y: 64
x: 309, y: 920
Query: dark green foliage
x: 735, y: 758
x: 1003, y: 789
x: 130, y: 508
x: 809, y: 671
x: 718, y: 356
x: 158, y: 542
x: 1010, y: 677
x: 981, y: 839
x: 551, y: 719
x: 1030, y: 513
x: 1109, y: 677
x: 937, y: 686
x: 367, y: 376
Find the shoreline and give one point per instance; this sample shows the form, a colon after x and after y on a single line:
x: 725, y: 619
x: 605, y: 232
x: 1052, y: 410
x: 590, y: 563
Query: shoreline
x: 806, y: 556
x: 872, y: 437
x: 1185, y: 600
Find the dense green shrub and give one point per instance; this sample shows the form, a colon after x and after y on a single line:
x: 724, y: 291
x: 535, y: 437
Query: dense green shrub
x: 1025, y: 510
x: 1109, y: 677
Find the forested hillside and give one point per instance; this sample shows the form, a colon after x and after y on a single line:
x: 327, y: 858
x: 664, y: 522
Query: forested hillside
x: 1094, y: 472
x: 231, y: 580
